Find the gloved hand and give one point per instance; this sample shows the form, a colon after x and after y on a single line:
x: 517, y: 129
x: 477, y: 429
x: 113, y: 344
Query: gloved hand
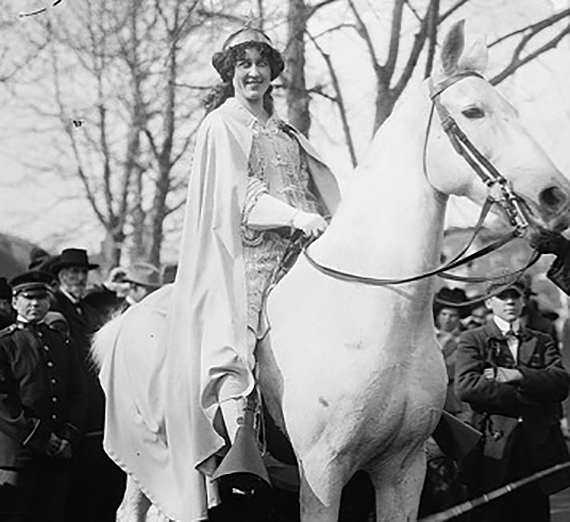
x: 58, y: 447
x: 549, y: 242
x: 53, y: 445
x: 311, y: 224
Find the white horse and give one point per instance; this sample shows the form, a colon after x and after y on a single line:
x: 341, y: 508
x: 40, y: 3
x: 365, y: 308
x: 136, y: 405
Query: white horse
x: 350, y: 371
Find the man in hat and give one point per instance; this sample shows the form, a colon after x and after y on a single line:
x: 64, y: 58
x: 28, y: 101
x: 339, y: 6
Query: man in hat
x: 449, y: 309
x: 7, y: 312
x: 514, y: 380
x: 144, y: 278
x: 110, y: 297
x: 42, y: 406
x: 97, y: 483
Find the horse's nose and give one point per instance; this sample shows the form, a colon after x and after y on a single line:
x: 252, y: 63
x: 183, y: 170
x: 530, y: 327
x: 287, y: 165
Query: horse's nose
x: 553, y: 198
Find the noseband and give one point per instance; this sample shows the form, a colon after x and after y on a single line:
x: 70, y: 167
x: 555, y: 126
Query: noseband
x: 500, y: 192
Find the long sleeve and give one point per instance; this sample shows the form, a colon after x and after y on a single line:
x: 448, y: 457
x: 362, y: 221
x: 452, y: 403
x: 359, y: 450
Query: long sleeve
x: 545, y: 381
x: 472, y: 387
x: 16, y: 421
x: 262, y: 211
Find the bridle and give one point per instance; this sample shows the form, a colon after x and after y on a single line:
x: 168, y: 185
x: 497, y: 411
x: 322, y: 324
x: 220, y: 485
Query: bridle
x: 500, y: 192
x: 504, y: 195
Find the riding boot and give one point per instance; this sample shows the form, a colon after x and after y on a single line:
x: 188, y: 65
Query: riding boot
x: 242, y: 467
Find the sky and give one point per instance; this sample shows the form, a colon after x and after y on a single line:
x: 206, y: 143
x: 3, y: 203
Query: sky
x: 35, y: 208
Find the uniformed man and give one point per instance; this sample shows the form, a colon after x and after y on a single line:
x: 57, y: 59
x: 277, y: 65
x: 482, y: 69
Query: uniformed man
x: 42, y: 406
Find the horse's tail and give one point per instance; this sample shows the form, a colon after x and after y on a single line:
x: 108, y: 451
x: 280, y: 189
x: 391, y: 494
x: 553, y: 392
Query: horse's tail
x: 104, y: 340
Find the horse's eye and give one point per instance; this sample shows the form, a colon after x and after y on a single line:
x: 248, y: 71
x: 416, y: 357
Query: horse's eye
x: 474, y: 113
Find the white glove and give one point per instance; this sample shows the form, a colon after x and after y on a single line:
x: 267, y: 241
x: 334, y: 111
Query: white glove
x: 312, y: 225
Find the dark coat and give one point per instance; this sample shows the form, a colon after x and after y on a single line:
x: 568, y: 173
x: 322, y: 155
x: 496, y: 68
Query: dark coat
x: 42, y: 391
x: 104, y: 301
x: 83, y: 322
x: 528, y: 409
x: 559, y: 273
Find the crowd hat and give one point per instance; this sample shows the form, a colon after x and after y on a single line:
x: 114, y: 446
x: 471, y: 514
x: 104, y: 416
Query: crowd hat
x: 71, y: 257
x: 506, y: 280
x: 5, y: 289
x: 451, y: 298
x: 144, y: 274
x: 39, y: 259
x: 32, y: 284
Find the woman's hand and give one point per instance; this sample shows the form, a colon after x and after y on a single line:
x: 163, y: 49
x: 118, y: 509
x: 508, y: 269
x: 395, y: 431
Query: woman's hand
x: 312, y: 225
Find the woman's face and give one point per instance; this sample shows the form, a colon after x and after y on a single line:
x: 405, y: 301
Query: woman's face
x: 251, y: 77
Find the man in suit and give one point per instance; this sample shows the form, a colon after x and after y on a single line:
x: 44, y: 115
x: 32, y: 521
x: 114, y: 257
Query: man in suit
x: 143, y: 278
x: 42, y: 407
x: 109, y: 298
x: 514, y: 380
x: 97, y: 483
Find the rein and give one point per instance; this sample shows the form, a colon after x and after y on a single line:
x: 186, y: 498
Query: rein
x: 504, y: 196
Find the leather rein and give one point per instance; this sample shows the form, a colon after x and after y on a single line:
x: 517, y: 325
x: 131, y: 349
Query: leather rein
x: 500, y: 193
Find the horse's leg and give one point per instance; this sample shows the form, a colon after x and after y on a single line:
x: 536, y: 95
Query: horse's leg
x: 313, y: 509
x: 398, y: 487
x: 135, y: 504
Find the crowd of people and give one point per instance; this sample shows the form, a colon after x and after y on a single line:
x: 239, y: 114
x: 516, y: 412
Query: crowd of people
x: 53, y: 465
x: 255, y: 182
x: 506, y: 379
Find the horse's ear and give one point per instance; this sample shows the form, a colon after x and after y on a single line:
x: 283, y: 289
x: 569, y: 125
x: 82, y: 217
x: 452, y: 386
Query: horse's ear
x: 475, y: 58
x: 452, y: 49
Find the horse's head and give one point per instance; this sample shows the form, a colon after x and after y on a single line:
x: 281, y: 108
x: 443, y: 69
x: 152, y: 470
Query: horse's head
x: 492, y: 126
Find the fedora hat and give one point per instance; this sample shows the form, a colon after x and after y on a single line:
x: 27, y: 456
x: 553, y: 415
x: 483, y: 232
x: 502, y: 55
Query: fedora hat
x: 71, y: 257
x: 144, y: 274
x: 451, y: 298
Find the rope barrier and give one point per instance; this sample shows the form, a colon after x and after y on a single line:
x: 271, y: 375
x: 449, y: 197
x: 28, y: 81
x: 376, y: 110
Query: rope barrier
x: 460, y: 509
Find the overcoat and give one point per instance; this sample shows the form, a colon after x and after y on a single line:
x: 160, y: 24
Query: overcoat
x: 528, y: 409
x: 83, y: 321
x: 42, y: 391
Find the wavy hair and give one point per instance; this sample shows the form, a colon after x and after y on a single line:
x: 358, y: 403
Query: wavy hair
x: 225, y: 62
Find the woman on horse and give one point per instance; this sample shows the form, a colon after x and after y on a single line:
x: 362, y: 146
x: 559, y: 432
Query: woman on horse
x: 254, y: 179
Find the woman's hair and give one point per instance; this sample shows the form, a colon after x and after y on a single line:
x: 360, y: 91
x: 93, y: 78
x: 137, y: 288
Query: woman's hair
x: 225, y: 62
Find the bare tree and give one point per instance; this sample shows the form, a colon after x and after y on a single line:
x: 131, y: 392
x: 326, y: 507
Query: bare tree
x: 406, y: 50
x: 131, y: 141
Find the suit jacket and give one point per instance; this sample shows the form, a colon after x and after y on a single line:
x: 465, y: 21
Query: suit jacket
x: 83, y: 322
x: 503, y: 411
x: 42, y: 391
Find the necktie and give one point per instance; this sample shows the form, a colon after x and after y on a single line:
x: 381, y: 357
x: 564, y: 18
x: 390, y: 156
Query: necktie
x: 513, y: 342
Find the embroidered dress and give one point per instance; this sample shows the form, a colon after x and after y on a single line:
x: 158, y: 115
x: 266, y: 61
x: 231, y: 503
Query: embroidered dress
x: 276, y: 167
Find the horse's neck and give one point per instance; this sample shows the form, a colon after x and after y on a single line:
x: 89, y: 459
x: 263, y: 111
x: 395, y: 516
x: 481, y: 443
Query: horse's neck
x: 390, y: 222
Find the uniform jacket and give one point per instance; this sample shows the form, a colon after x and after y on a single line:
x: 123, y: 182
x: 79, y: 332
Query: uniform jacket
x: 83, y: 322
x: 42, y: 391
x: 530, y: 408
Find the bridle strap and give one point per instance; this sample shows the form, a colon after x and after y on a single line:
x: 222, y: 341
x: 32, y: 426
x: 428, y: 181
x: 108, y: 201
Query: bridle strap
x: 478, y: 163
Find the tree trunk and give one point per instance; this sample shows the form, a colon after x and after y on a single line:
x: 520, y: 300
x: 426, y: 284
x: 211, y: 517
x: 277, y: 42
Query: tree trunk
x: 297, y: 95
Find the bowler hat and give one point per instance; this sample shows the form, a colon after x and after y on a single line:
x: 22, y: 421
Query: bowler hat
x: 5, y: 289
x: 71, y: 257
x: 451, y: 298
x: 144, y: 274
x: 34, y: 283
